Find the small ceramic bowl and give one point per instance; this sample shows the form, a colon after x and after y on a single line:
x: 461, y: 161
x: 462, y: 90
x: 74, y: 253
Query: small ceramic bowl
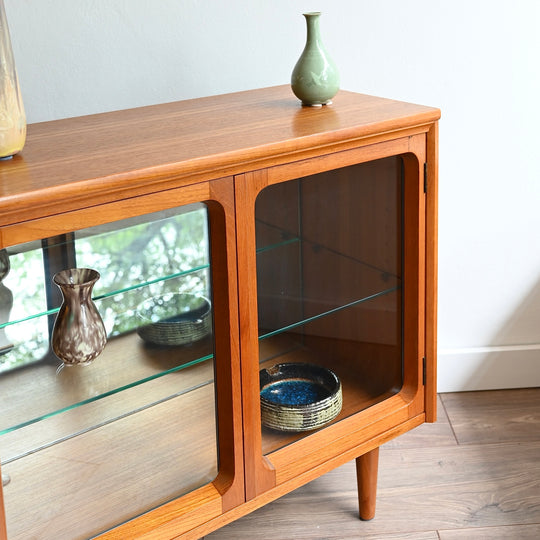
x: 175, y: 319
x: 299, y: 396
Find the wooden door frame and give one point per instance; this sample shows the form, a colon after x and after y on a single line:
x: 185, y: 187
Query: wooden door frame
x: 349, y: 436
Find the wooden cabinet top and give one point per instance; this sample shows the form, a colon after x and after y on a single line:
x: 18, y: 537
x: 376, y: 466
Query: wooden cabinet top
x: 78, y: 162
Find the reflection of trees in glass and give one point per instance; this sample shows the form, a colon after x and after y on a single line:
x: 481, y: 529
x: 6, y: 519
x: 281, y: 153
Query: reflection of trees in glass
x: 135, y: 263
x: 155, y: 251
x: 30, y: 339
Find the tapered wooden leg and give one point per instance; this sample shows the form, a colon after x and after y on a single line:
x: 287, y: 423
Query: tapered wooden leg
x: 367, y: 468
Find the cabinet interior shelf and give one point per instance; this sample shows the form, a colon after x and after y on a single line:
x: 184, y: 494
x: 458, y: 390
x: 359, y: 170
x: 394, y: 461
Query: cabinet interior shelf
x: 328, y: 313
x: 126, y: 363
x: 384, y: 274
x: 109, y: 294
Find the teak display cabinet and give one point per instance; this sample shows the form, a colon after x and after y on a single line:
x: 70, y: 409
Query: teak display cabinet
x: 312, y: 232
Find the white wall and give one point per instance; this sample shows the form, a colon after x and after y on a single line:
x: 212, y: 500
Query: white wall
x: 476, y: 60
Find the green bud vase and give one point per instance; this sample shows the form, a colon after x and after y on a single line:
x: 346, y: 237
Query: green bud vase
x: 315, y: 78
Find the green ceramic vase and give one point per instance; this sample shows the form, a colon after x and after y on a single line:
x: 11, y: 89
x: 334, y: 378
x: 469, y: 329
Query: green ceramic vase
x: 315, y: 78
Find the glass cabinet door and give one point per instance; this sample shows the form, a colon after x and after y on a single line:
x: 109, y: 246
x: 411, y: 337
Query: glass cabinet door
x: 329, y: 284
x: 329, y: 291
x: 335, y: 261
x: 86, y: 447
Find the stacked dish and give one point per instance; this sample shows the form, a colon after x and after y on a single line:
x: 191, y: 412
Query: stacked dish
x: 299, y: 396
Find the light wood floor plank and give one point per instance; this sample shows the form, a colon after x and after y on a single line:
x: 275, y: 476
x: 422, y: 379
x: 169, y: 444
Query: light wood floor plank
x: 402, y: 536
x: 495, y: 415
x: 512, y: 532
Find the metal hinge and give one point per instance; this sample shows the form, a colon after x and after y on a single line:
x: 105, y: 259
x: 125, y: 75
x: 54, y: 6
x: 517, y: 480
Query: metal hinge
x: 424, y: 370
x: 425, y: 177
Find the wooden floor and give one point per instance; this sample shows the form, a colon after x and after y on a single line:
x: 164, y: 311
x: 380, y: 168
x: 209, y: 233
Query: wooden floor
x: 475, y: 474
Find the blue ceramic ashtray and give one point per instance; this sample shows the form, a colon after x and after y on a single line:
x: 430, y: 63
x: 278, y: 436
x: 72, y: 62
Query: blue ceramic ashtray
x: 299, y: 396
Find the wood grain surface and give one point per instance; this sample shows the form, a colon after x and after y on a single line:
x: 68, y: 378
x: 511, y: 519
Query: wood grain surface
x: 83, y: 161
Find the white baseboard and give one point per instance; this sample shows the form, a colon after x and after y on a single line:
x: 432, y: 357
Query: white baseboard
x: 488, y: 368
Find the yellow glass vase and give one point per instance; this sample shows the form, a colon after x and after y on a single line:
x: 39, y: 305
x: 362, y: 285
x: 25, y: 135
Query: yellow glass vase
x: 12, y: 117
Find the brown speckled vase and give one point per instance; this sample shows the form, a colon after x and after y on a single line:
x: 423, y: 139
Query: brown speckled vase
x: 79, y: 334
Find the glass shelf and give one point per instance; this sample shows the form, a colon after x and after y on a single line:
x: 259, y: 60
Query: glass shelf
x: 272, y: 237
x: 297, y: 325
x: 126, y: 362
x: 73, y: 387
x: 111, y: 296
x: 286, y: 291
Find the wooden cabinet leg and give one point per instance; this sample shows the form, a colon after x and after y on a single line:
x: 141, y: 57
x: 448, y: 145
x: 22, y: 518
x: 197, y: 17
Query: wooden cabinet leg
x: 367, y: 467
